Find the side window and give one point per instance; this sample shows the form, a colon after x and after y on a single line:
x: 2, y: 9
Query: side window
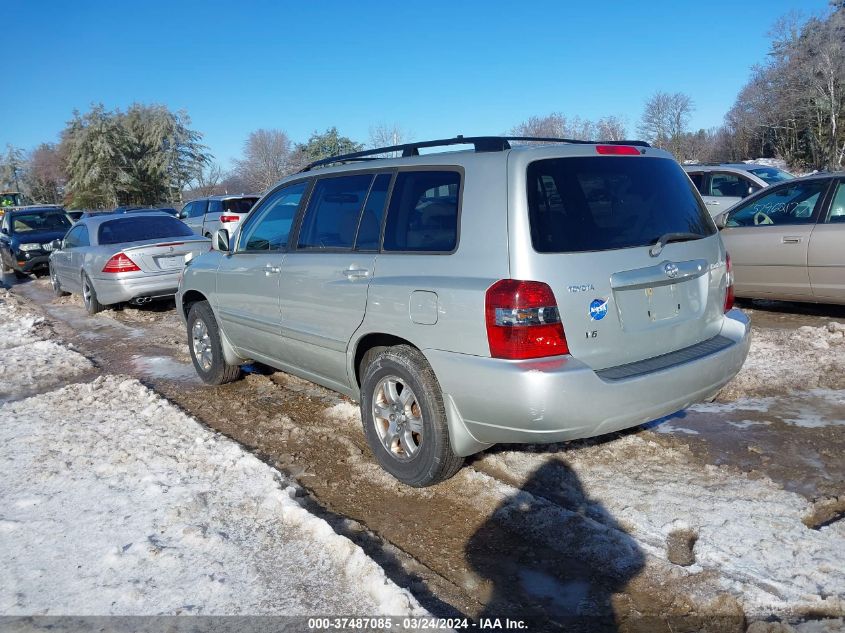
x: 369, y: 230
x: 723, y: 184
x: 423, y: 212
x: 750, y: 187
x: 837, y: 208
x: 197, y: 209
x: 698, y: 180
x: 785, y: 204
x: 334, y: 210
x: 76, y: 237
x: 215, y: 206
x: 268, y: 226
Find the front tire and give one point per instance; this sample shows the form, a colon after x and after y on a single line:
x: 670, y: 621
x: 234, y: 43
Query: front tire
x: 56, y: 284
x: 207, y: 348
x: 404, y: 417
x: 89, y: 297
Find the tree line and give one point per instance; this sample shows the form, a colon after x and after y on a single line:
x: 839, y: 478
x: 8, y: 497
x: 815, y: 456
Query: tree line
x: 792, y: 107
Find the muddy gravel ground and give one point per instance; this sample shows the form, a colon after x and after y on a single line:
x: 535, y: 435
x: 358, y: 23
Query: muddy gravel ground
x: 468, y: 546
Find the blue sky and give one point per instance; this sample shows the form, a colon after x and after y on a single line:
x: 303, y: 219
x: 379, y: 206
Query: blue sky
x: 435, y: 68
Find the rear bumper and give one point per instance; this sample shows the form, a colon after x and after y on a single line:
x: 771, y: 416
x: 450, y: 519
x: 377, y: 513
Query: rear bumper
x: 123, y: 289
x: 490, y: 401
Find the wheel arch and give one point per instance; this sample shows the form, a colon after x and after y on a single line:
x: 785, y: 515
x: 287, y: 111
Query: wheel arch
x: 190, y: 298
x: 369, y: 342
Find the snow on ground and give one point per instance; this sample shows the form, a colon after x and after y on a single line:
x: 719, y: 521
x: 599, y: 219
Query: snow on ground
x: 112, y: 501
x: 781, y: 361
x: 36, y: 366
x: 19, y: 327
x: 122, y: 504
x: 749, y: 530
x: 30, y: 364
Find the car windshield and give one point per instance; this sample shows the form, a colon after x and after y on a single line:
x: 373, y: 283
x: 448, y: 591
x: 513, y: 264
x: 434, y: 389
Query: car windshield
x: 772, y: 174
x: 31, y: 222
x: 238, y: 205
x: 141, y: 228
x: 583, y: 204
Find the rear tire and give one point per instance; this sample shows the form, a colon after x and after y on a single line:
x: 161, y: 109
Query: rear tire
x: 89, y: 297
x: 206, y: 346
x: 19, y: 275
x: 57, y: 286
x: 404, y: 417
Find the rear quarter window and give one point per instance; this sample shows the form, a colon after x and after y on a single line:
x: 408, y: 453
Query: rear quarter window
x: 583, y: 204
x: 423, y: 212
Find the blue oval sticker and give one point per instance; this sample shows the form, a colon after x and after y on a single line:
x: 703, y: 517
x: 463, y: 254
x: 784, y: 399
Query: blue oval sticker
x: 598, y: 309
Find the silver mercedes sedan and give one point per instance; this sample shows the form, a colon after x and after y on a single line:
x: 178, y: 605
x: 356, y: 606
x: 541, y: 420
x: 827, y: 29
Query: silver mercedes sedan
x: 135, y: 257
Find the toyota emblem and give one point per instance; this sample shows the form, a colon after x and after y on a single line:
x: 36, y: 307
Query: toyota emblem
x: 671, y: 270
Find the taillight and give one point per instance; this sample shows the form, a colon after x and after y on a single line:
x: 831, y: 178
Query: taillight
x: 618, y: 150
x: 729, y: 290
x: 523, y: 320
x: 120, y: 263
x: 229, y: 218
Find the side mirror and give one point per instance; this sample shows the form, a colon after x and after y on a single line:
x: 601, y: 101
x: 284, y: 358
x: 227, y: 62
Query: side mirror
x: 4, y: 231
x: 221, y: 240
x: 721, y: 220
x: 56, y: 245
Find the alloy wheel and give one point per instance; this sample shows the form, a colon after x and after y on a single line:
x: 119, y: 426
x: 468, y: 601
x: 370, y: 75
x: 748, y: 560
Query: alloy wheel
x: 397, y: 417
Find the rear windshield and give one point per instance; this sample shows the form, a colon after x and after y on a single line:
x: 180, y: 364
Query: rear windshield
x: 30, y: 222
x: 772, y: 174
x: 139, y: 229
x: 592, y: 204
x: 238, y: 205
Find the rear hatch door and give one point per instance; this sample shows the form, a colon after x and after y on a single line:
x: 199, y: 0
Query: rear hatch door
x: 593, y: 226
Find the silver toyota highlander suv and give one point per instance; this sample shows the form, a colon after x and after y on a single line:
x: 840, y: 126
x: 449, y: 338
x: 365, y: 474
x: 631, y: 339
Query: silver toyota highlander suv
x: 536, y: 293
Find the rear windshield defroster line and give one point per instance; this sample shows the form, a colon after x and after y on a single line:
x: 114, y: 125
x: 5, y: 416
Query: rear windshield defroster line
x: 581, y: 204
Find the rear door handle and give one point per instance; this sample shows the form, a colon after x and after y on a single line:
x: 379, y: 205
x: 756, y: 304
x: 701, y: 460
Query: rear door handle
x: 269, y: 269
x: 790, y: 239
x: 356, y: 273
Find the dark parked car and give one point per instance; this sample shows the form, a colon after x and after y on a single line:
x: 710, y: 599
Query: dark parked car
x: 26, y: 237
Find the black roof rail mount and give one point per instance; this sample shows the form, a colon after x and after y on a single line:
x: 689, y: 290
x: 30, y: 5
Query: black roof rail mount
x: 481, y: 144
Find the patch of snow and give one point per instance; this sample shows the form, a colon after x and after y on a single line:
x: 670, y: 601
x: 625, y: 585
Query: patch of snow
x: 742, y: 404
x: 19, y: 327
x: 115, y: 502
x: 37, y: 366
x: 746, y: 424
x: 777, y: 163
x: 344, y: 411
x: 782, y: 361
x: 669, y: 428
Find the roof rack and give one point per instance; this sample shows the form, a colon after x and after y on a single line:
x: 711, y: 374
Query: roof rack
x: 481, y: 144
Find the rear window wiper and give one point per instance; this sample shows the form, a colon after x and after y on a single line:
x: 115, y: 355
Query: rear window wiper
x: 664, y: 239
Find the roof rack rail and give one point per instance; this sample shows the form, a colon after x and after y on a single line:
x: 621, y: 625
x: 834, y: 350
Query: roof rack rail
x: 481, y: 144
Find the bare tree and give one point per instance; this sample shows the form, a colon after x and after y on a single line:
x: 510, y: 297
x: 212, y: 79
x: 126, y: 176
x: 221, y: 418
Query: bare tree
x: 665, y: 119
x: 387, y: 135
x: 555, y: 125
x: 611, y: 128
x: 45, y: 176
x: 268, y: 157
x: 207, y: 183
